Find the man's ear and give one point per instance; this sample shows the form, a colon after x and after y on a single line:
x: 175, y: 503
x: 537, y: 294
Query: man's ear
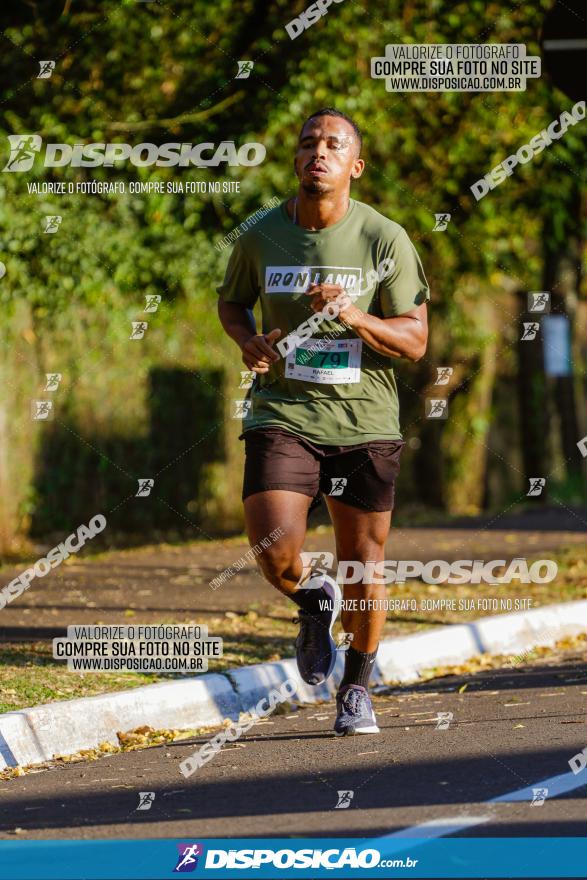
x: 358, y: 168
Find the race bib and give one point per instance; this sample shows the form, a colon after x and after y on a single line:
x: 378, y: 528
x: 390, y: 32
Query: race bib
x: 328, y: 361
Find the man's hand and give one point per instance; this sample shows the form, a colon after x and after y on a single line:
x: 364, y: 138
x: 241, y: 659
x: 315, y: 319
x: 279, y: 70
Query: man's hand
x: 322, y: 294
x: 258, y: 352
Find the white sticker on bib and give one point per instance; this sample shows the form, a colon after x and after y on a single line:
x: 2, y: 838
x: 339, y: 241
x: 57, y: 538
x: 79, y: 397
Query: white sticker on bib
x: 332, y: 362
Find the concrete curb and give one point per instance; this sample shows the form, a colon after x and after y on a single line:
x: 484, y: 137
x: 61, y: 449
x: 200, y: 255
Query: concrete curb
x: 403, y: 659
x: 40, y: 733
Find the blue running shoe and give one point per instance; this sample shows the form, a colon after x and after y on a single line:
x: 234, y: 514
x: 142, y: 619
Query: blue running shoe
x: 354, y: 712
x: 315, y: 647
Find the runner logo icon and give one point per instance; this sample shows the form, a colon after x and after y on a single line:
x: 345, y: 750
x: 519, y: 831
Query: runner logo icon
x: 52, y: 223
x: 344, y: 800
x: 42, y: 410
x: 537, y: 484
x: 442, y: 221
x: 23, y: 149
x: 315, y: 565
x: 530, y: 330
x: 188, y: 857
x: 443, y: 720
x: 436, y: 409
x: 139, y: 328
x: 443, y: 375
x: 539, y: 301
x: 146, y: 800
x: 46, y: 68
x: 242, y: 409
x: 539, y: 795
x: 53, y: 380
x: 152, y: 301
x: 244, y: 69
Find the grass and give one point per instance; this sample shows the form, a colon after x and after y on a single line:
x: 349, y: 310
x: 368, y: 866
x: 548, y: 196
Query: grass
x: 29, y: 675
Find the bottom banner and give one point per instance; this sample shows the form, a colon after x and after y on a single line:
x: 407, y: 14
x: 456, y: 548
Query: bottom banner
x: 273, y: 858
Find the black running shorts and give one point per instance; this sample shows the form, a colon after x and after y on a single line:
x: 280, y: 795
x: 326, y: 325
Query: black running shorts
x: 362, y: 476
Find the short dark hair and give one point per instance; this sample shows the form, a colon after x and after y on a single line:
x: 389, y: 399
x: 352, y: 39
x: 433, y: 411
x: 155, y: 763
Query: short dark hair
x: 331, y: 111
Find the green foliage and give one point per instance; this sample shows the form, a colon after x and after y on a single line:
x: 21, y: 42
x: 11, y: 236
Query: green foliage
x: 151, y: 72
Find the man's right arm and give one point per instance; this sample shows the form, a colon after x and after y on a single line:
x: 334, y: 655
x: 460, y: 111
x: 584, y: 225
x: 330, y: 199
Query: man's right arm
x: 239, y: 324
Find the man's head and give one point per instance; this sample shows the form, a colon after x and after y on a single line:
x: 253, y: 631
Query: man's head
x: 328, y: 153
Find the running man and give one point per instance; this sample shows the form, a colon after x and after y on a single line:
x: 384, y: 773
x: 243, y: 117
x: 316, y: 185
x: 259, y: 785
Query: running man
x: 324, y: 413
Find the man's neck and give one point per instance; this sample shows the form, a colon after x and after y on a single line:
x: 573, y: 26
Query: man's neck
x: 316, y: 213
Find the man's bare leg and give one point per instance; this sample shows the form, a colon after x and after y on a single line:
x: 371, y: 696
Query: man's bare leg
x: 282, y: 566
x: 266, y: 511
x: 361, y: 535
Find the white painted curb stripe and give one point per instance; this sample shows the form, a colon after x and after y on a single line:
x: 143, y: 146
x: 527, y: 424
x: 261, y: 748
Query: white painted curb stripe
x: 402, y: 659
x: 556, y: 786
x: 39, y: 733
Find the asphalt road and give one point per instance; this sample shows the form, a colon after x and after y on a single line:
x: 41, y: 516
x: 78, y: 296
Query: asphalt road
x: 511, y: 731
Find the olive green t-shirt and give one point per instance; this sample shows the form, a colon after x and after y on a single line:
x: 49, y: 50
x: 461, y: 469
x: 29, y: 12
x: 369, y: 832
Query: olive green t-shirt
x: 330, y: 388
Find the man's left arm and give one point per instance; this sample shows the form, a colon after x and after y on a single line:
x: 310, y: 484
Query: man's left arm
x: 404, y: 336
x: 401, y: 328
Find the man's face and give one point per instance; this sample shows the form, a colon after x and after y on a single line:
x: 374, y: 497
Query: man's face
x: 327, y: 156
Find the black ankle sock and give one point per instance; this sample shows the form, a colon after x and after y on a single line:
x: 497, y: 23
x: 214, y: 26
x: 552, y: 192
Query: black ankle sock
x: 310, y: 599
x: 358, y: 667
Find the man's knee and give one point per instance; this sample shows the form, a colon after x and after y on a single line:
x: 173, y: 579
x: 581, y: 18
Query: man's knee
x: 279, y: 566
x: 361, y: 549
x: 359, y: 560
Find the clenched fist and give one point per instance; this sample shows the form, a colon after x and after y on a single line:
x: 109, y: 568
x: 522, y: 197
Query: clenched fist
x: 258, y: 351
x: 323, y: 294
